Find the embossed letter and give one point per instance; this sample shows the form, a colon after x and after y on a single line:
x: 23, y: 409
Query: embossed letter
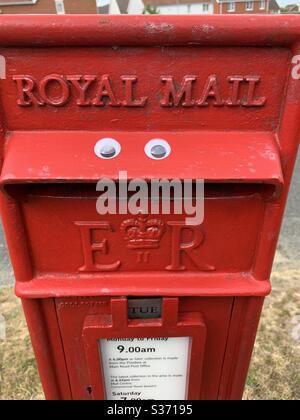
x: 90, y: 248
x: 129, y: 96
x: 105, y: 90
x: 211, y: 90
x: 235, y: 93
x: 81, y: 88
x: 178, y: 247
x: 26, y: 86
x: 251, y: 101
x: 172, y: 97
x: 63, y: 85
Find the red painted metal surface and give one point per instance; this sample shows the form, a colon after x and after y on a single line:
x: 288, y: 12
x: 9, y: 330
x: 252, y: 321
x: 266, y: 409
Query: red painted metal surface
x: 225, y: 93
x: 254, y: 157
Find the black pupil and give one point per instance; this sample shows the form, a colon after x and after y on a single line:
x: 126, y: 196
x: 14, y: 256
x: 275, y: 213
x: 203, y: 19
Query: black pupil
x: 158, y: 151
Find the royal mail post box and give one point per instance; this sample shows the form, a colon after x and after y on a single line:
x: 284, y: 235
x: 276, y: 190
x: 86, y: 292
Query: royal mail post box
x: 145, y: 306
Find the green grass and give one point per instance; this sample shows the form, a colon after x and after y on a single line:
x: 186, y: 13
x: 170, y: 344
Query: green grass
x: 275, y: 373
x: 18, y: 373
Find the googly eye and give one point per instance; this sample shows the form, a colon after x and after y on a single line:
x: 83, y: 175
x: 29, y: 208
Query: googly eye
x: 157, y: 149
x: 107, y: 148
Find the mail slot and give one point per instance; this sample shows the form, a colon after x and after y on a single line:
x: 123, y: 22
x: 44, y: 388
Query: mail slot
x: 146, y: 305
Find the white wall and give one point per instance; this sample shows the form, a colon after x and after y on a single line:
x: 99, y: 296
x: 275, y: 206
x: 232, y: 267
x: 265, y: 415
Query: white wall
x: 184, y: 9
x: 114, y: 8
x: 101, y: 3
x: 135, y: 7
x: 198, y: 9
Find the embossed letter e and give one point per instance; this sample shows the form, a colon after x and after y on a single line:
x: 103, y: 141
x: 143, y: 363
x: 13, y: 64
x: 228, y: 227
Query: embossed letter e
x: 89, y: 247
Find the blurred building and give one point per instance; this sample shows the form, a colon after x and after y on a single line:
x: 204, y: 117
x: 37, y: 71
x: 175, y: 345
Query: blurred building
x: 246, y: 7
x: 182, y: 7
x: 116, y: 7
x: 291, y: 8
x: 48, y: 6
x: 203, y: 7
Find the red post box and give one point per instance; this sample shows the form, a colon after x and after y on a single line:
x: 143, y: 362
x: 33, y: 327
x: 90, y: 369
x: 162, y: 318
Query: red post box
x: 123, y: 306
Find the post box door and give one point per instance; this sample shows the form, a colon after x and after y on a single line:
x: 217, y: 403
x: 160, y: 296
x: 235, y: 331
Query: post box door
x: 87, y: 322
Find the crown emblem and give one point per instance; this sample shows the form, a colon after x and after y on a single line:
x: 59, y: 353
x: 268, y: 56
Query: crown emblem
x: 142, y: 232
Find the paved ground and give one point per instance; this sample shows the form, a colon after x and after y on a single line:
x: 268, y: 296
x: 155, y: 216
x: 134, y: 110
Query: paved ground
x: 289, y: 245
x: 6, y: 272
x: 288, y: 250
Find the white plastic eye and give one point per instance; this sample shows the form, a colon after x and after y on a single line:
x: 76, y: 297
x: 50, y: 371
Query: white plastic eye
x: 157, y: 149
x: 107, y: 148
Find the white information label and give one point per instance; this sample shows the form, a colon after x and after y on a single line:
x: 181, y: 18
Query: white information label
x: 145, y: 368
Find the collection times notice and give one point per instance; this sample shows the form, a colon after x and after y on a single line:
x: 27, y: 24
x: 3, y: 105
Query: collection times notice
x: 145, y: 368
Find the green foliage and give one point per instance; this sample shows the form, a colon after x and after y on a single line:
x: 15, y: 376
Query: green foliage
x: 286, y: 11
x: 151, y: 10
